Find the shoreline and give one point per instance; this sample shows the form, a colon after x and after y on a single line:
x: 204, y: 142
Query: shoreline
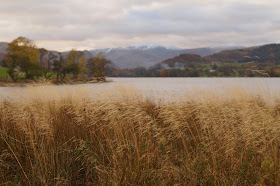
x: 26, y: 83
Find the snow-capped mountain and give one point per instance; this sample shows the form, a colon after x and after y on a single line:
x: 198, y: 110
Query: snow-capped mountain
x: 137, y: 47
x: 148, y: 55
x: 150, y: 46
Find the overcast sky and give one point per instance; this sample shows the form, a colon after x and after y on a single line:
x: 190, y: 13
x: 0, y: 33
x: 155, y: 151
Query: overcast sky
x: 89, y: 24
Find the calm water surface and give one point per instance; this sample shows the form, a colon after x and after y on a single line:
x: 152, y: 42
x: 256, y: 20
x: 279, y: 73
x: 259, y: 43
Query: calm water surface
x: 175, y: 85
x: 170, y: 86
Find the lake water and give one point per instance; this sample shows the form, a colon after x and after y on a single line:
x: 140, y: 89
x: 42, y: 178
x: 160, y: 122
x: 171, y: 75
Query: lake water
x: 162, y: 87
x: 185, y: 84
x: 177, y: 85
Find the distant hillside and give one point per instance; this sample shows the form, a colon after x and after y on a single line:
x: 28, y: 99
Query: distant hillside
x: 267, y: 53
x: 2, y: 56
x: 262, y: 54
x: 179, y: 62
x: 229, y: 55
x: 3, y: 47
x: 133, y: 57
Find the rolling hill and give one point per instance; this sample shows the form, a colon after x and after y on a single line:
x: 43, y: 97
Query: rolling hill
x: 262, y: 54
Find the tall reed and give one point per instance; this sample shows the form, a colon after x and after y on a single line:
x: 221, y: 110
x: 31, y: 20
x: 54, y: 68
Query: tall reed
x: 58, y: 137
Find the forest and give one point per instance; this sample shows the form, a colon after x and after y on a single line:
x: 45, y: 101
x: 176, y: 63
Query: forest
x: 24, y: 60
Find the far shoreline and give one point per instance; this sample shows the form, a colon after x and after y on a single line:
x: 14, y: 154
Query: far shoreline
x: 41, y: 82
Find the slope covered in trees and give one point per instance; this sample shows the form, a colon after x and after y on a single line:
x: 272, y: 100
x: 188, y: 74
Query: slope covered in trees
x: 264, y: 54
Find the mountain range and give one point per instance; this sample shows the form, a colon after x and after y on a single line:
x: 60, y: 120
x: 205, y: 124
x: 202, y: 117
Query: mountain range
x: 147, y: 55
x: 137, y: 56
x: 265, y: 54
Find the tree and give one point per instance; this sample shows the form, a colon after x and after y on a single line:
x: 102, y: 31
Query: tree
x: 45, y: 64
x: 58, y: 67
x: 75, y: 63
x: 215, y: 66
x: 23, y: 54
x: 97, y: 65
x: 10, y: 62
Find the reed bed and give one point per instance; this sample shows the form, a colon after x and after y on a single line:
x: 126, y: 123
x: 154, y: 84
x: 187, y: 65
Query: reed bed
x: 55, y: 137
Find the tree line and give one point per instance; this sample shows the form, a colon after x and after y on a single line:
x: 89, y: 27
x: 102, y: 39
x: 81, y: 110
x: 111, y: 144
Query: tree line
x: 201, y: 70
x: 25, y: 60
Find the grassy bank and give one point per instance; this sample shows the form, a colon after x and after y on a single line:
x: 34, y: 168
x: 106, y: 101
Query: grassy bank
x: 121, y: 138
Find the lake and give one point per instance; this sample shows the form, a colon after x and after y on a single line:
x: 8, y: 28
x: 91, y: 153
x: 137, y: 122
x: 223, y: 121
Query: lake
x: 178, y: 85
x: 163, y: 87
x: 183, y: 84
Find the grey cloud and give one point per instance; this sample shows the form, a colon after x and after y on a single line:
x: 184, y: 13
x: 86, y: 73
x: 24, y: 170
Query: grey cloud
x: 111, y: 23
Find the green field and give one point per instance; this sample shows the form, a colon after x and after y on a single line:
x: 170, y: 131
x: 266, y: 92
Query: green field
x: 4, y: 73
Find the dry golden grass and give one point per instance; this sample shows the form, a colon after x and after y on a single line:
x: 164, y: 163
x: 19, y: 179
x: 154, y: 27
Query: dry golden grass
x: 54, y: 136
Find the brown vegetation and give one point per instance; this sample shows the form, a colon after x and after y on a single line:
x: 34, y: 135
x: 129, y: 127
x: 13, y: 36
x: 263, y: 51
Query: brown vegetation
x: 121, y: 138
x: 43, y: 81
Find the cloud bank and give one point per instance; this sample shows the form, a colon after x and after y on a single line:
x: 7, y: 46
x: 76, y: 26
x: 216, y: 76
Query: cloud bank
x: 89, y: 24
